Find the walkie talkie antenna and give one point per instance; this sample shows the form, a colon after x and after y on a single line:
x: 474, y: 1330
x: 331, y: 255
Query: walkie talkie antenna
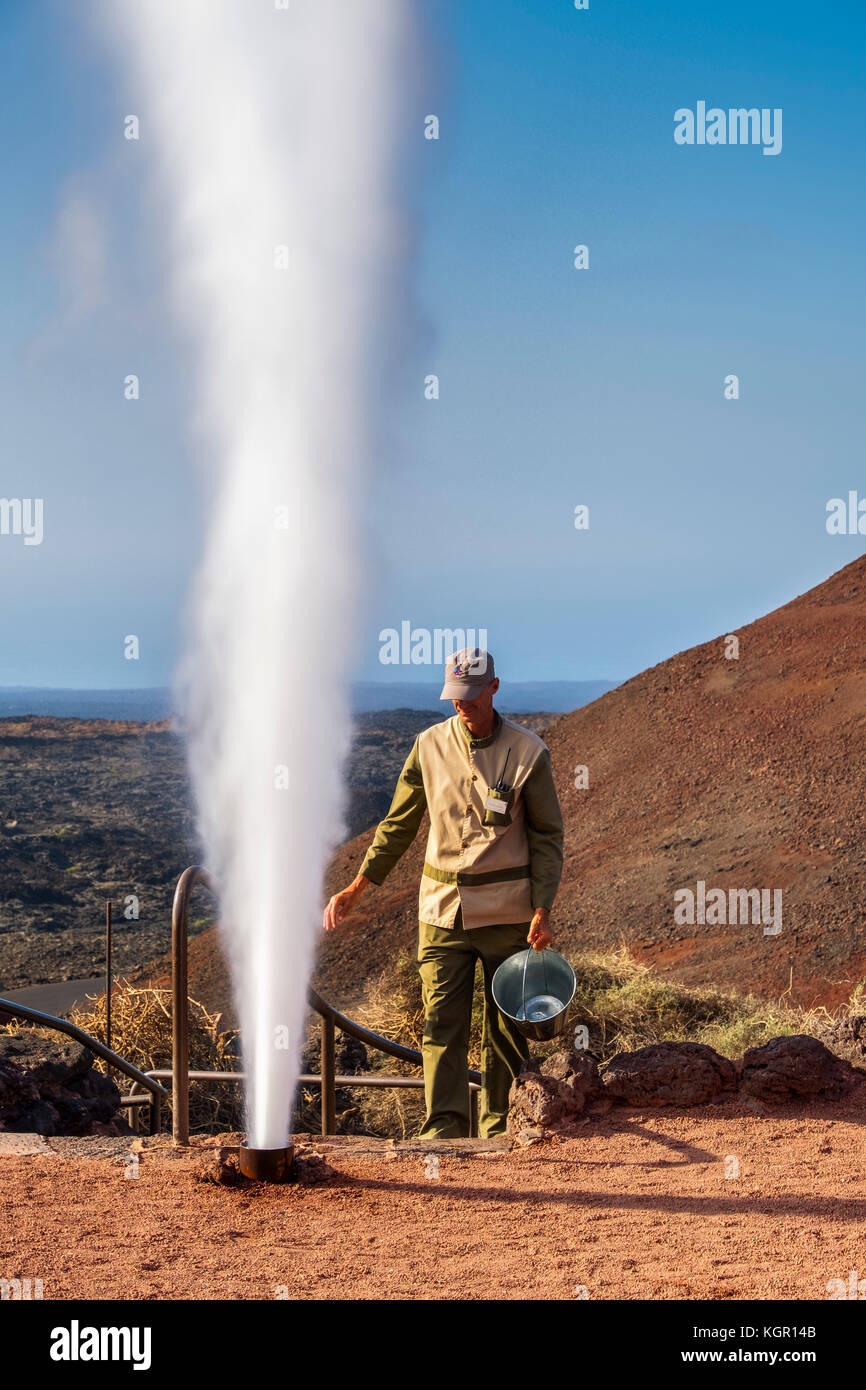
x: 501, y: 781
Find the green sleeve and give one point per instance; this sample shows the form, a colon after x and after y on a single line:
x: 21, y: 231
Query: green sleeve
x: 544, y: 832
x: 399, y: 828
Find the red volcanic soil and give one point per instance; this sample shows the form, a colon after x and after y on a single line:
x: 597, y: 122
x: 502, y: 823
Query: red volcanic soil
x: 745, y: 773
x: 716, y: 1203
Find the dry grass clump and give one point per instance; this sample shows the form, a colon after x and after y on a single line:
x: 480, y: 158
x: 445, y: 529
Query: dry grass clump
x: 624, y: 1006
x: 393, y: 1004
x: 141, y: 1032
x: 393, y: 1008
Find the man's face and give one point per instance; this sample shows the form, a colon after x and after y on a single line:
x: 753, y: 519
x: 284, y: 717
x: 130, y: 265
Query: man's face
x: 477, y: 714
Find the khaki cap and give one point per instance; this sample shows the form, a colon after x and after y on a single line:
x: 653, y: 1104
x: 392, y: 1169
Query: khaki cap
x: 467, y: 673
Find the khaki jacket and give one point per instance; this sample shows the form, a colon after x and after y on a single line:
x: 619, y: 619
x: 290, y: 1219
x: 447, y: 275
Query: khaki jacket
x: 495, y: 854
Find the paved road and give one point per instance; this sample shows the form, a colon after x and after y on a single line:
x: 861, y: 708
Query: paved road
x: 58, y: 998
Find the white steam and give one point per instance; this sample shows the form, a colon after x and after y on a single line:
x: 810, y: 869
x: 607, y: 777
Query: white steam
x: 269, y: 129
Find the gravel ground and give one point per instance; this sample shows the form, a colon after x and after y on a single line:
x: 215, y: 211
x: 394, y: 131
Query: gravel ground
x: 634, y: 1206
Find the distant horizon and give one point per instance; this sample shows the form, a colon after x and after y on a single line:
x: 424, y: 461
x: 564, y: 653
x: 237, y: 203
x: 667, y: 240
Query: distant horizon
x: 150, y: 703
x: 140, y: 689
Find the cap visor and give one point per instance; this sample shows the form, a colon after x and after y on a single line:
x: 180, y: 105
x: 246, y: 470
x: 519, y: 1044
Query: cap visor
x: 462, y: 690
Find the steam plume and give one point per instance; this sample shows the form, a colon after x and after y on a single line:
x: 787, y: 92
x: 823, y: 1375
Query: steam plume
x: 274, y: 135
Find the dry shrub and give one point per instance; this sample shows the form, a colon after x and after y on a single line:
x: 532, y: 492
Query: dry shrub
x: 393, y: 1008
x: 393, y: 1004
x: 141, y: 1033
x: 625, y: 1006
x: 350, y: 1056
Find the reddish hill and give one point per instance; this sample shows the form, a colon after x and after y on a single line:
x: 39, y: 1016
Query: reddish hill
x: 744, y: 773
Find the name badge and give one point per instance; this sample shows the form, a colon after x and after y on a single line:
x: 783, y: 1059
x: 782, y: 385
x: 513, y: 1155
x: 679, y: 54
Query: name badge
x: 494, y: 804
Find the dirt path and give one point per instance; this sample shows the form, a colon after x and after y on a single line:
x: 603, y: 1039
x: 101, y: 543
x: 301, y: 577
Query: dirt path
x: 635, y: 1206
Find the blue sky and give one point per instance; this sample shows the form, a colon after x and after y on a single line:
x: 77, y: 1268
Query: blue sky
x: 558, y: 387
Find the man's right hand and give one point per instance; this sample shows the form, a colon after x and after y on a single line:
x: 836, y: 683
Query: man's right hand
x: 341, y: 904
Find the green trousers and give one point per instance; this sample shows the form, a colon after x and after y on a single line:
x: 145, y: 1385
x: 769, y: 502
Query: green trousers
x: 447, y: 958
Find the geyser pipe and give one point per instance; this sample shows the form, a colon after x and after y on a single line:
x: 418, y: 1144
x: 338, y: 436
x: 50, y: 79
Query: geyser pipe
x: 266, y: 1165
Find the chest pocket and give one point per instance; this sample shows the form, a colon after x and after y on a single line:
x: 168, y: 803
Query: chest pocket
x: 497, y: 807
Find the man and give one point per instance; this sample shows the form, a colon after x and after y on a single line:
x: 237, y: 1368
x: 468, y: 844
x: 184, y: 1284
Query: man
x: 493, y: 864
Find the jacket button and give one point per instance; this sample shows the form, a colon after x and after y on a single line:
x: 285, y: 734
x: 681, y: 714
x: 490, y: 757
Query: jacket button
x: 473, y: 778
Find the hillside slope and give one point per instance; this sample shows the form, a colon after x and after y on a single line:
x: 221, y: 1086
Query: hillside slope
x: 744, y: 773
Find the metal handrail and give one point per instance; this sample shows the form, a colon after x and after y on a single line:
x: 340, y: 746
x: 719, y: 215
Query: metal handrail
x: 180, y: 1074
x: 62, y: 1025
x: 352, y: 1078
x: 366, y: 1035
x: 331, y: 1020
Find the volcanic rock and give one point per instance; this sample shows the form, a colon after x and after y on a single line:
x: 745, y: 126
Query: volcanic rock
x: 16, y: 1088
x: 578, y: 1070
x: 95, y: 809
x: 57, y: 1063
x: 551, y: 1094
x: 669, y: 1073
x: 785, y: 1068
x: 48, y: 1087
x: 847, y: 1038
x: 537, y: 1103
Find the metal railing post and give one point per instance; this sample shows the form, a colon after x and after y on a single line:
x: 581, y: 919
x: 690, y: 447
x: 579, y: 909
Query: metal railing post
x: 329, y: 1073
x: 180, y: 1002
x: 134, y: 1109
x: 108, y: 973
x: 179, y: 1024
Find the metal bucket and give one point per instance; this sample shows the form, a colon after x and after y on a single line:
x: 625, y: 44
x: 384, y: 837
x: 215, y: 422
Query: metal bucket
x: 534, y: 989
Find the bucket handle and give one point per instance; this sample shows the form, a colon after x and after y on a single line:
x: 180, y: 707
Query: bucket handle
x: 529, y: 952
